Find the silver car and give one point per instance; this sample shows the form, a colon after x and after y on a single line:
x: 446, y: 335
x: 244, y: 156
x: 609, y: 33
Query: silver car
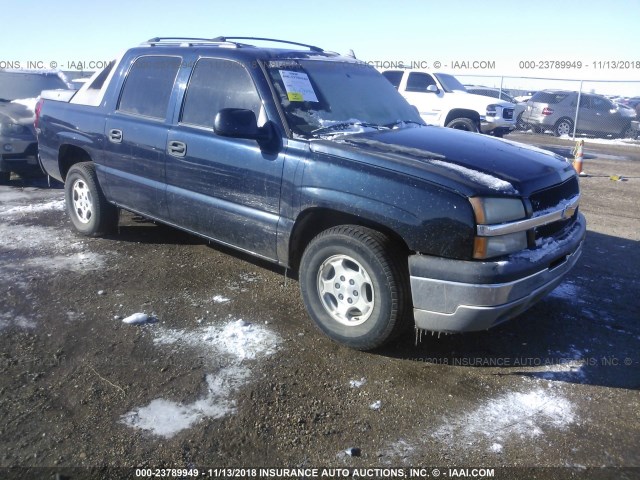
x: 555, y: 110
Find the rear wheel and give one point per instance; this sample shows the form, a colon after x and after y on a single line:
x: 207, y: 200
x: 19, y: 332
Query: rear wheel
x: 563, y: 127
x: 464, y: 123
x: 520, y: 124
x: 355, y: 286
x: 88, y: 209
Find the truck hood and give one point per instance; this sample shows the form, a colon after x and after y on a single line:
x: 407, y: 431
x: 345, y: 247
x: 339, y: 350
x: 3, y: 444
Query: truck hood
x: 471, y: 163
x: 17, y: 113
x: 478, y: 102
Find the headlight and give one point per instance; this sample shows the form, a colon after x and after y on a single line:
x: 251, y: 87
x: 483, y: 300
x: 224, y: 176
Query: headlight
x: 491, y: 211
x: 492, y: 110
x: 13, y: 129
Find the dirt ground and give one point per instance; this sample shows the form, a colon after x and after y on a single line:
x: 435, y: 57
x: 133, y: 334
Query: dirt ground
x: 229, y: 370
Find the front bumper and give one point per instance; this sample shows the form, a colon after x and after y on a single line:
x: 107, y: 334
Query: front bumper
x: 19, y: 156
x: 463, y: 296
x: 496, y: 124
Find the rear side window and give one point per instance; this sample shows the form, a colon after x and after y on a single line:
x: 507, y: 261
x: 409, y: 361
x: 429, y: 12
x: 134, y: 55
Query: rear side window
x: 549, y: 97
x: 394, y: 76
x: 418, y: 82
x: 148, y: 86
x: 216, y: 84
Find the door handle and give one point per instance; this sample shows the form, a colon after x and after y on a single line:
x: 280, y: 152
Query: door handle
x: 177, y: 149
x: 115, y: 135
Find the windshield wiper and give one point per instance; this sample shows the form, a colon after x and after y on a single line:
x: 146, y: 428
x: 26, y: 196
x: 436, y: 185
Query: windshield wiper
x: 343, y: 126
x: 400, y: 122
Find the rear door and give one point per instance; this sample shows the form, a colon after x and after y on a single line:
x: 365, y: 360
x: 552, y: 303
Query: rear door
x: 136, y: 135
x: 220, y: 187
x: 608, y: 118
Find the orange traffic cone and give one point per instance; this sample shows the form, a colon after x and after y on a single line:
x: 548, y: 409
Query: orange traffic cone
x: 577, y: 153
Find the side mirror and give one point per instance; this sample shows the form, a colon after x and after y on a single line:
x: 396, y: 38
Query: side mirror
x: 433, y: 88
x: 238, y: 123
x: 242, y: 123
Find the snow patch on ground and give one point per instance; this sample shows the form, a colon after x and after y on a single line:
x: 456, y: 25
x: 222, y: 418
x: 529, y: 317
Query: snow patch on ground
x: 25, y: 248
x: 220, y: 299
x: 566, y: 291
x: 166, y: 418
x: 237, y: 339
x: 236, y: 342
x: 513, y: 419
x: 8, y: 320
x: 19, y: 210
x: 78, y: 262
x: 357, y: 383
x: 514, y: 415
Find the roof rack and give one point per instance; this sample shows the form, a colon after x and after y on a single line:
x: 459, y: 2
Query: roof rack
x: 228, y: 41
x: 185, y: 40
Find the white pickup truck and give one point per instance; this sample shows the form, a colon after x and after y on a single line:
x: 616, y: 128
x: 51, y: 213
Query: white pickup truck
x: 442, y: 100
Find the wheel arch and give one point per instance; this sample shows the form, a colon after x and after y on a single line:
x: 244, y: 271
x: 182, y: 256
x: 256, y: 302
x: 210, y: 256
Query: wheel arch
x: 315, y: 220
x: 464, y: 113
x: 69, y: 155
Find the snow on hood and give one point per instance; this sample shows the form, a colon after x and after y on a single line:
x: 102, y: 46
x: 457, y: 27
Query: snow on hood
x: 30, y: 103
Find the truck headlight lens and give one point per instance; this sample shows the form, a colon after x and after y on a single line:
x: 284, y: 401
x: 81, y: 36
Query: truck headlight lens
x: 489, y: 210
x: 13, y: 129
x: 493, y: 211
x: 492, y: 110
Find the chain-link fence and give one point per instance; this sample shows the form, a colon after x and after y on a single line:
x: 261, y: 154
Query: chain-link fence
x: 566, y: 108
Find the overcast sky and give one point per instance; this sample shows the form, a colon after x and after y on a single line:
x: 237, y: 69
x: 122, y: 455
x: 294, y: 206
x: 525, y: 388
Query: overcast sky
x: 445, y: 31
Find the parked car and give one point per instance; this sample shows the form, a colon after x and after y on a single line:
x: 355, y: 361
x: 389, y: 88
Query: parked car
x: 518, y: 107
x: 524, y: 97
x: 315, y: 162
x: 442, y: 100
x: 555, y: 110
x: 18, y: 95
x: 633, y: 102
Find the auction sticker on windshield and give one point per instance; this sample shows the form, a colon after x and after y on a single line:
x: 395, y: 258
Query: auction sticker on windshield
x: 298, y: 86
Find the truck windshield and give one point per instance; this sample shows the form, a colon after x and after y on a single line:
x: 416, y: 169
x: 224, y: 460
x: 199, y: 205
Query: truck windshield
x: 18, y: 85
x: 328, y: 97
x: 449, y: 82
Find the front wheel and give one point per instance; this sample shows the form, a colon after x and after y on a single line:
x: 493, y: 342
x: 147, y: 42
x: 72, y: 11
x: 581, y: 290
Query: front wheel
x: 464, y: 123
x: 88, y: 209
x: 354, y: 286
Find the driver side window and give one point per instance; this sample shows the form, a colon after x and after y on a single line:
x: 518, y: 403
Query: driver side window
x: 216, y: 84
x: 418, y: 82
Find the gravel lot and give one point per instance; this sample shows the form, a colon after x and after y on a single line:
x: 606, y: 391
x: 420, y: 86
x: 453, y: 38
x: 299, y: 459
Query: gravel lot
x: 228, y: 370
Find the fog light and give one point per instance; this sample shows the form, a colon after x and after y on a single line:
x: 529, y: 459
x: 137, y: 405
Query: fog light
x: 7, y: 147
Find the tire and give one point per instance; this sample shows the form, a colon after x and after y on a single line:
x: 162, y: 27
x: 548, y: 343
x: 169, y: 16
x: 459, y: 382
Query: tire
x: 537, y: 129
x: 464, y: 123
x: 87, y: 206
x: 564, y: 126
x: 5, y: 178
x: 520, y: 124
x: 355, y: 286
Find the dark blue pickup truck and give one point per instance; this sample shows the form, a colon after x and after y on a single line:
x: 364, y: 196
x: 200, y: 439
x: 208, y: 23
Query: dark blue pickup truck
x: 315, y: 162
